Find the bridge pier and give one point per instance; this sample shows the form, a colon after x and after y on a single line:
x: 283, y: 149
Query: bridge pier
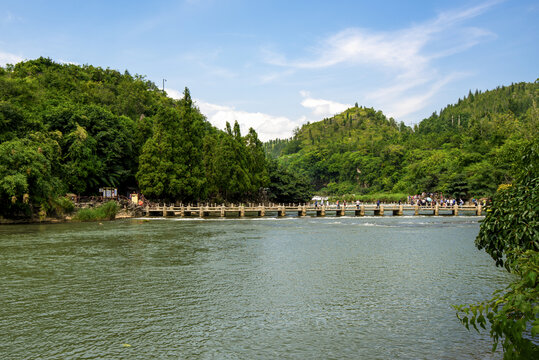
x: 262, y: 211
x: 242, y: 211
x: 436, y: 210
x: 399, y: 211
x: 479, y: 209
x: 361, y: 210
x: 321, y: 211
x: 379, y: 211
x: 223, y: 212
x: 281, y: 211
x: 416, y: 210
x: 455, y: 210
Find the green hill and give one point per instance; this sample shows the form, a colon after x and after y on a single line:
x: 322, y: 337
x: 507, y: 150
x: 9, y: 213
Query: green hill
x: 466, y: 150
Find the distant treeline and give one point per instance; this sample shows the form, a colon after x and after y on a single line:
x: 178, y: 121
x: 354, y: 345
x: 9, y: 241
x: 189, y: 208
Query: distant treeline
x: 466, y: 150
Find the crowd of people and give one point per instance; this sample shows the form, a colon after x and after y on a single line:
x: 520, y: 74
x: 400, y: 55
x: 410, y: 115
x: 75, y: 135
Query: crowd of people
x: 424, y: 199
x: 428, y: 199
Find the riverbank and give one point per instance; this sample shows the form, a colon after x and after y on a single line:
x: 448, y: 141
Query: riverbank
x: 122, y: 213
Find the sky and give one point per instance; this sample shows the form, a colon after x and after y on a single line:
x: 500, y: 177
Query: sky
x: 275, y: 65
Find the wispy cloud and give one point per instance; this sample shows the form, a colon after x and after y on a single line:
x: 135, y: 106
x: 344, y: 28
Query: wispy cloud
x: 274, y: 76
x: 408, y: 56
x: 206, y: 60
x: 9, y: 18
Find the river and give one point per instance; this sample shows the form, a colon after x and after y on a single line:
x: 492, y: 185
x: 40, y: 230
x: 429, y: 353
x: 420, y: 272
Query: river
x: 254, y: 288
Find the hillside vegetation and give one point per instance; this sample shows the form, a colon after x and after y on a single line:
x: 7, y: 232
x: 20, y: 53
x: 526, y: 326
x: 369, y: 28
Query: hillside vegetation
x: 466, y: 150
x: 68, y: 128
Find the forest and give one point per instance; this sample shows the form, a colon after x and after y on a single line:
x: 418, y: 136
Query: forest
x: 67, y: 128
x: 465, y: 150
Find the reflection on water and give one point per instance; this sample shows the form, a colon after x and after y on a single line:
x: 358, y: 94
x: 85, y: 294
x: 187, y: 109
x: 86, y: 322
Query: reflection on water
x: 243, y: 288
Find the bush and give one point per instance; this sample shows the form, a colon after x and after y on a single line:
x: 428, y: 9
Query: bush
x: 107, y: 211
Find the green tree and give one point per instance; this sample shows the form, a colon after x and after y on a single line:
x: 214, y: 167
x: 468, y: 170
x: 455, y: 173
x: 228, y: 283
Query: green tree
x: 287, y: 187
x: 26, y: 178
x: 171, y: 165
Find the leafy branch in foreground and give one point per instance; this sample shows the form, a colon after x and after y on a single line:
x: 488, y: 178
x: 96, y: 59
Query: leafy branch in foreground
x: 514, y: 315
x: 510, y: 234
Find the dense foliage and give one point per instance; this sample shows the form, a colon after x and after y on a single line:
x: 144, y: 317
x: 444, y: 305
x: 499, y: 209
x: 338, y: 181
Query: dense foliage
x: 464, y: 151
x: 68, y: 128
x: 510, y: 234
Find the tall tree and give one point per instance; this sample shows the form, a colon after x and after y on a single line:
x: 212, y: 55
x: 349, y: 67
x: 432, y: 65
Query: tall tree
x: 171, y: 165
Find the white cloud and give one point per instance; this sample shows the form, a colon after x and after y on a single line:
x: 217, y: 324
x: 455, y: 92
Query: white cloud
x: 7, y: 58
x: 66, y: 62
x: 407, y: 56
x: 267, y: 126
x: 320, y: 107
x: 173, y: 93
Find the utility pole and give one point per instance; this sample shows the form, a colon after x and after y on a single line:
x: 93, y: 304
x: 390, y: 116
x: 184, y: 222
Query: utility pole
x: 164, y: 84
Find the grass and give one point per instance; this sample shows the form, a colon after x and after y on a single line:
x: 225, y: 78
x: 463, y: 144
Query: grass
x: 107, y: 211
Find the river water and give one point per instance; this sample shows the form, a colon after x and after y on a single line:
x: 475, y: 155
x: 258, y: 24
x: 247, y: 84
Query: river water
x: 255, y: 288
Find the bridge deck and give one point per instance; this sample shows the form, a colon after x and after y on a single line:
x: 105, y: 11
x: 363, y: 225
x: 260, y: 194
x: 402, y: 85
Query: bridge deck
x: 305, y: 210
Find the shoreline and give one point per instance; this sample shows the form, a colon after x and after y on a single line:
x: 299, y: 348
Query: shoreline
x: 66, y: 219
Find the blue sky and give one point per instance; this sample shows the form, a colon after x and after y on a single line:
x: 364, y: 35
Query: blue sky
x: 275, y: 65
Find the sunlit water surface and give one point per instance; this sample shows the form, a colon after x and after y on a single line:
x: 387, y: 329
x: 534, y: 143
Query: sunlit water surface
x: 298, y: 288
